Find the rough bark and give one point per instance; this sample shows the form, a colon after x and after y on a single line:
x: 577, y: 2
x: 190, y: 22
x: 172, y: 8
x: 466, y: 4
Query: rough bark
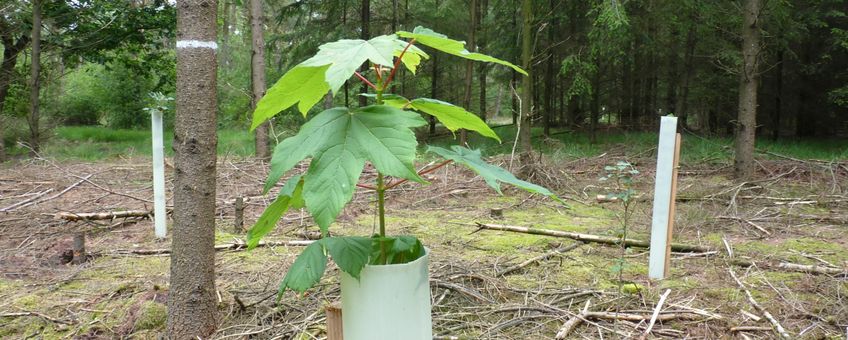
x: 192, y: 306
x: 35, y: 83
x: 469, y: 67
x: 257, y: 75
x: 527, y: 81
x: 746, y: 121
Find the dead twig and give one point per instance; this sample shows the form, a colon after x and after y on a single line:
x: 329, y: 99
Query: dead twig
x: 542, y: 257
x: 220, y: 247
x: 777, y: 326
x: 656, y: 314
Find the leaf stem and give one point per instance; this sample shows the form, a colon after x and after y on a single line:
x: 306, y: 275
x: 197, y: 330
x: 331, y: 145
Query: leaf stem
x: 422, y: 172
x: 397, y: 64
x: 364, y: 80
x: 379, y: 72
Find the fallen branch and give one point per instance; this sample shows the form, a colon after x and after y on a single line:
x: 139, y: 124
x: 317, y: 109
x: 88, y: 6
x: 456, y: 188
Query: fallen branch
x: 40, y: 315
x: 542, y: 257
x: 792, y: 267
x: 777, y: 327
x: 27, y: 201
x: 677, y: 247
x: 220, y: 247
x: 460, y: 289
x: 69, y: 216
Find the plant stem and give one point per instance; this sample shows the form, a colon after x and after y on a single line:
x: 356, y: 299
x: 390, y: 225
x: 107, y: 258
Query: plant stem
x: 381, y: 189
x: 381, y: 204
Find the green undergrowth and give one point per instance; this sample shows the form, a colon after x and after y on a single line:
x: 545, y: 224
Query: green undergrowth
x: 97, y: 142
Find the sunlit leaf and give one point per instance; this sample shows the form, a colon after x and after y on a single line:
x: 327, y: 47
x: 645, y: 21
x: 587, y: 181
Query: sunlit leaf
x: 428, y: 37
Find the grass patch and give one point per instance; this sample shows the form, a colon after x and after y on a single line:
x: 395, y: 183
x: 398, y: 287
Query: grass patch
x: 97, y: 142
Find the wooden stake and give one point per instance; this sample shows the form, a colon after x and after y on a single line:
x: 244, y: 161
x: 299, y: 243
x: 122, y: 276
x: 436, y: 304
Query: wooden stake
x: 238, y: 224
x: 334, y: 321
x: 672, y: 205
x: 79, y: 248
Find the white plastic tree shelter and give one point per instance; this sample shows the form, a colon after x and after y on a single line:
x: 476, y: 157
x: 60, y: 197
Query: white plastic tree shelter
x: 665, y: 190
x: 159, y: 212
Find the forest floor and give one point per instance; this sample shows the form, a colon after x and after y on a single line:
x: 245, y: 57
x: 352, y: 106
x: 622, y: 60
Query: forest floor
x: 795, y: 211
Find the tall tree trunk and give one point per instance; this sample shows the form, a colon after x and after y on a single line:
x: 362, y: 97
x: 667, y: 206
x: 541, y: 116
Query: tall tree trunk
x: 482, y: 67
x: 11, y: 49
x: 192, y: 308
x: 35, y: 83
x: 746, y: 121
x: 434, y: 86
x: 680, y: 106
x: 365, y: 34
x: 595, y: 108
x: 775, y: 133
x: 469, y: 67
x: 525, y: 134
x: 257, y: 75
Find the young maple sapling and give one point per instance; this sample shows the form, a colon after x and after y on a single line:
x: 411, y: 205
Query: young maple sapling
x: 341, y: 140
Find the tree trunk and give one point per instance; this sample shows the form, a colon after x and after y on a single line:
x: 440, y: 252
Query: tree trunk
x: 525, y: 134
x: 469, y: 68
x: 192, y: 308
x: 680, y: 106
x: 482, y: 68
x: 746, y: 121
x: 365, y: 34
x: 11, y: 49
x: 35, y: 83
x: 257, y: 75
x: 775, y: 133
x: 431, y: 131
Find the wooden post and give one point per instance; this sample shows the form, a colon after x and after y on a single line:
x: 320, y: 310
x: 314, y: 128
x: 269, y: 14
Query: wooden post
x: 238, y: 224
x: 496, y: 213
x: 334, y: 321
x: 665, y: 185
x: 79, y: 248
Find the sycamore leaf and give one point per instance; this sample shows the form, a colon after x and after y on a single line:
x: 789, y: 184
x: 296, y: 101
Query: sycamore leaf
x: 302, y: 85
x: 345, y: 56
x: 412, y: 57
x: 305, y: 143
x: 491, y: 174
x: 289, y: 197
x: 428, y: 37
x: 453, y: 117
x: 340, y: 141
x: 306, y: 270
x: 350, y: 253
x: 331, y: 181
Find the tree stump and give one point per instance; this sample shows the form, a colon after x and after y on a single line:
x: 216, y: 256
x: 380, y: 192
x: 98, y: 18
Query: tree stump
x: 238, y: 224
x: 79, y: 248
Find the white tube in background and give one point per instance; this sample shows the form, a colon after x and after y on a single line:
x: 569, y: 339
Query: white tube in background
x: 662, y: 197
x: 159, y: 213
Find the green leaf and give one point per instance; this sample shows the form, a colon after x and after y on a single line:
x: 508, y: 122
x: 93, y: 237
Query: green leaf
x: 406, y: 249
x: 491, y: 174
x: 412, y: 57
x: 306, y: 270
x: 305, y: 143
x: 453, y: 117
x: 302, y: 85
x: 340, y: 142
x: 289, y: 197
x: 350, y: 253
x: 441, y: 42
x: 345, y: 56
x: 331, y: 181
